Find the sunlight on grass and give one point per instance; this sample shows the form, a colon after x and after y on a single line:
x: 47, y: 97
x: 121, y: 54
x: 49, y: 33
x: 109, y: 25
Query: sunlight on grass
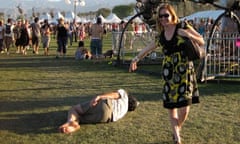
x: 37, y: 91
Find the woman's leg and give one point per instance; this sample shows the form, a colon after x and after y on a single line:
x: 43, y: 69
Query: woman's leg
x: 64, y: 45
x: 59, y: 47
x: 182, y: 115
x: 173, y: 115
x: 177, y: 119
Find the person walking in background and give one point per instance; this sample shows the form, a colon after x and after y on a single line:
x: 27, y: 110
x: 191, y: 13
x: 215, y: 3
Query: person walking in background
x: 8, y: 35
x: 46, y: 36
x: 130, y: 36
x: 180, y: 88
x: 75, y: 30
x: 1, y: 36
x: 62, y: 37
x: 201, y: 27
x: 70, y: 32
x: 24, y: 37
x: 81, y: 32
x: 104, y: 108
x: 17, y: 33
x: 96, y: 32
x: 36, y: 35
x: 87, y: 29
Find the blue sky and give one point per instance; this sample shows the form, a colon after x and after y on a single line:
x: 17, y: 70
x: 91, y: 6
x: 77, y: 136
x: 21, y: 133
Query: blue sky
x: 91, y: 5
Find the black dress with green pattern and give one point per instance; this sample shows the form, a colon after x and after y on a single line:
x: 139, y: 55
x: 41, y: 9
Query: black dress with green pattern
x: 180, y: 87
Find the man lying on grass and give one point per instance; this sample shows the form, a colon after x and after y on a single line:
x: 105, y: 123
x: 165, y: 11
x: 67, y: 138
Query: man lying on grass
x: 108, y: 107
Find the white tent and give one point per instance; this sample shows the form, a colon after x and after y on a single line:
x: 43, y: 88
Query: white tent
x: 69, y: 16
x: 136, y: 20
x: 82, y: 20
x: 103, y: 19
x: 45, y: 16
x: 58, y: 15
x: 113, y: 18
x: 204, y: 14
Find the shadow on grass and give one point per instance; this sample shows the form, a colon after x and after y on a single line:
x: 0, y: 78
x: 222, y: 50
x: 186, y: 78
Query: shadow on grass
x: 35, y: 105
x: 35, y: 123
x: 20, y: 122
x: 48, y: 62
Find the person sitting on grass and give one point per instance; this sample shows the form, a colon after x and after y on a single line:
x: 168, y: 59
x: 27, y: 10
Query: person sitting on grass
x: 108, y: 107
x: 81, y: 52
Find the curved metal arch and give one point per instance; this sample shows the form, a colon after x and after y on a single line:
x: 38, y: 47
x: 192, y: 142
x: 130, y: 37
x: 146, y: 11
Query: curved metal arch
x: 121, y: 37
x: 232, y: 15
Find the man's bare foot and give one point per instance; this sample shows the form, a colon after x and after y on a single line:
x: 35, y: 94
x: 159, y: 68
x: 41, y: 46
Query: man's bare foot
x: 69, y: 127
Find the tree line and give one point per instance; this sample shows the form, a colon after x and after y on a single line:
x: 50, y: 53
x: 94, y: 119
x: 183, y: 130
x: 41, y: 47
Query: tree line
x: 183, y: 8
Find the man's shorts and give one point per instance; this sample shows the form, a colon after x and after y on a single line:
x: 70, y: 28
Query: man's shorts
x: 45, y: 41
x: 36, y: 40
x: 101, y: 113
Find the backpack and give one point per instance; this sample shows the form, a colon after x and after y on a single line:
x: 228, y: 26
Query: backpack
x: 8, y: 29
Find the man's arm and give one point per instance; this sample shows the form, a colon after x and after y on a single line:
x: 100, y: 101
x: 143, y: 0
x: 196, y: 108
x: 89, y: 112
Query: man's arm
x: 111, y: 95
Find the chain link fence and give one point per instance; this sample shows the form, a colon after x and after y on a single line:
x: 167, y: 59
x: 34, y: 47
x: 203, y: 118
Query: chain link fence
x: 223, y: 54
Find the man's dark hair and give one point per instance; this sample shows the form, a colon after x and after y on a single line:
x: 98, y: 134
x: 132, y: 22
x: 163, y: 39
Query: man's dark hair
x: 99, y: 20
x: 9, y: 20
x: 45, y: 21
x: 36, y: 19
x: 80, y: 44
x: 132, y: 103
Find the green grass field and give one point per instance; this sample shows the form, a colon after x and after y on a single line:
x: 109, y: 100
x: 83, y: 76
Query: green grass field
x: 36, y: 92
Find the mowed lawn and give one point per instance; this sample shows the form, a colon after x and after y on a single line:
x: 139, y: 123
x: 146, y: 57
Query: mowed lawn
x: 36, y: 92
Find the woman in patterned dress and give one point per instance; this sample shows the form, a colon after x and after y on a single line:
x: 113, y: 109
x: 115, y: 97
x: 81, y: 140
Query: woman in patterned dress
x: 180, y: 87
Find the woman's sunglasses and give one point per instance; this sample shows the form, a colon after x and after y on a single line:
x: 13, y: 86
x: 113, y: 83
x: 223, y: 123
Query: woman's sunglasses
x: 163, y: 15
